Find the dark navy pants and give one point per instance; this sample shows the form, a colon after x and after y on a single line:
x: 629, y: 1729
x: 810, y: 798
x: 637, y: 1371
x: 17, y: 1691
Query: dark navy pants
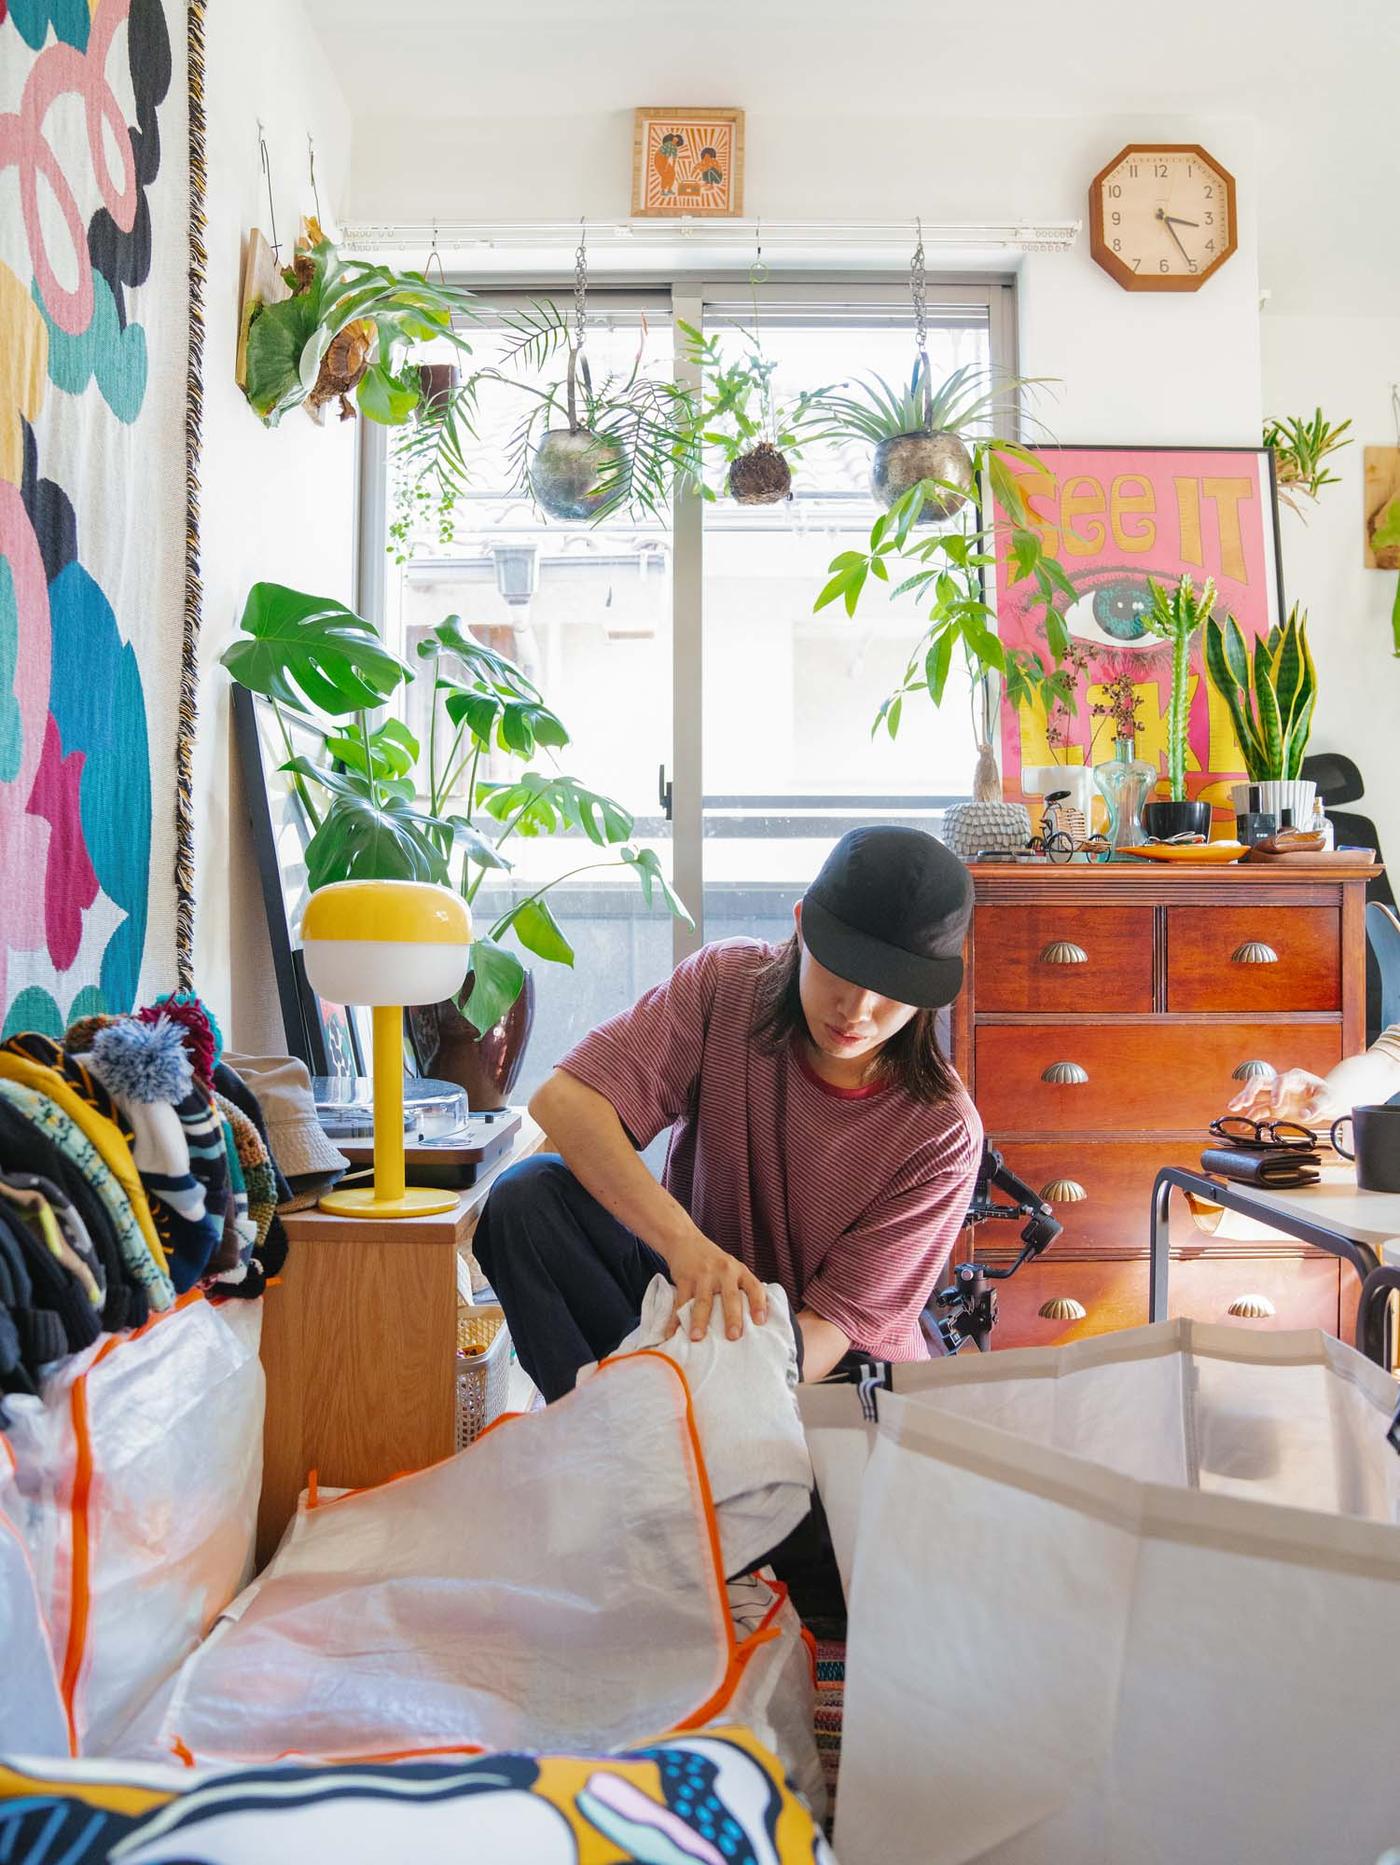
x: 569, y: 1276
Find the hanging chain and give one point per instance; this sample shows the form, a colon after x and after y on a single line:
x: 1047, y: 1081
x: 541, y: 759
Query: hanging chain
x: 581, y: 285
x: 267, y: 173
x: 918, y: 286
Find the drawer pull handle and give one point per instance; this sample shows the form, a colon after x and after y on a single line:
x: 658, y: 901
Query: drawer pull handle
x: 1251, y: 1071
x: 1062, y: 1308
x: 1064, y: 952
x: 1254, y: 952
x: 1063, y: 1191
x: 1252, y: 1308
x: 1065, y: 1074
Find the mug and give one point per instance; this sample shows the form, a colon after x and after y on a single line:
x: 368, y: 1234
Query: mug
x: 1376, y: 1144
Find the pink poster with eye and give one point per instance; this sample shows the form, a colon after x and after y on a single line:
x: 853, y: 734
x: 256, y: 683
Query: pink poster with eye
x: 1115, y: 516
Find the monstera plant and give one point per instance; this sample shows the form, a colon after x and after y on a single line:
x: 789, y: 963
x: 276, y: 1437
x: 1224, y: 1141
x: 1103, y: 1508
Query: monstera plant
x: 384, y: 807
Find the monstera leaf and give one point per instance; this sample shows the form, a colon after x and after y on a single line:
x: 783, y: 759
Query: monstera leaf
x: 496, y: 979
x: 540, y: 804
x: 364, y: 838
x: 302, y: 650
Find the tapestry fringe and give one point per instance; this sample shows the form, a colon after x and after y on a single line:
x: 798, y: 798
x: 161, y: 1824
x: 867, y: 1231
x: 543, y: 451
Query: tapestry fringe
x: 194, y: 591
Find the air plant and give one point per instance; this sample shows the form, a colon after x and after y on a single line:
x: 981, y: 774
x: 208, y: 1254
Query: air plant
x: 921, y: 433
x: 1299, y: 446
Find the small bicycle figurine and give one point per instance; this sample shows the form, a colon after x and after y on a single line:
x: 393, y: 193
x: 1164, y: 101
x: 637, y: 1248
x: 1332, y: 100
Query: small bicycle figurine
x: 1057, y: 843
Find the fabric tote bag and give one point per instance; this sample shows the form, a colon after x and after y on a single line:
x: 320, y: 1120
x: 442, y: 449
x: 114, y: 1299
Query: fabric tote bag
x: 1137, y: 1599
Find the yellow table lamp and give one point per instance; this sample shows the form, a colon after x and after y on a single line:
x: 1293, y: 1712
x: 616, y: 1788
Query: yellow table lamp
x: 387, y: 944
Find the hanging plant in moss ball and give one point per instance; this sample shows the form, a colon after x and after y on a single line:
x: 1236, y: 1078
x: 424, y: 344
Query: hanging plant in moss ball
x: 589, y: 449
x: 739, y: 418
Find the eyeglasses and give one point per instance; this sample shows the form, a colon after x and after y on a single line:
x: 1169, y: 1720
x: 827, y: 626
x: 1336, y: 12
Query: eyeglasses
x: 1239, y: 1130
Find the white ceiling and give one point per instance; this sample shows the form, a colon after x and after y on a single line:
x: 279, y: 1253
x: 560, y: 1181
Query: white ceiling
x: 1319, y: 82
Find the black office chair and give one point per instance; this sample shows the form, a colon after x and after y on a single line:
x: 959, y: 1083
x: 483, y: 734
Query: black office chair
x: 1339, y: 781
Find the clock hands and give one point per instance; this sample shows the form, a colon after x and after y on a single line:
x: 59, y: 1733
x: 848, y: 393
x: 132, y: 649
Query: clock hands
x: 1171, y: 222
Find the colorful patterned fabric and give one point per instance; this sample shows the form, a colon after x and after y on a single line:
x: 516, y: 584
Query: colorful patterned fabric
x: 712, y: 1799
x: 96, y: 282
x: 50, y: 1119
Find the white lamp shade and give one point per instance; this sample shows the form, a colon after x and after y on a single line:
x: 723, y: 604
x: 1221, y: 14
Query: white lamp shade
x: 370, y: 971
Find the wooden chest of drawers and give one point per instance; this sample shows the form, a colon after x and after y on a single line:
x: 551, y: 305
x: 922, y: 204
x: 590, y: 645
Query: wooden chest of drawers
x: 1108, y: 1016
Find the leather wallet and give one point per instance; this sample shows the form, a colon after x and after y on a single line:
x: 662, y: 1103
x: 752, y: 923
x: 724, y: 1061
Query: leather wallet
x: 1279, y: 1168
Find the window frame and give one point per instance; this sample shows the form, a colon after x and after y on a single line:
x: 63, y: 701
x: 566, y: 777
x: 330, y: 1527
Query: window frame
x: 879, y: 298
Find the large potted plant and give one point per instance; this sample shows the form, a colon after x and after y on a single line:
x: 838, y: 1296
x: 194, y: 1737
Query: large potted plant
x: 1178, y: 617
x: 738, y: 417
x: 382, y: 806
x: 949, y: 570
x: 1271, y: 693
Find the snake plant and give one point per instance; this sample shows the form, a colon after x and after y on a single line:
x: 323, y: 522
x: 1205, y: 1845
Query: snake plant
x: 1176, y: 618
x: 1270, y: 693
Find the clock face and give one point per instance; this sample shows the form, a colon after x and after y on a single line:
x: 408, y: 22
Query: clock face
x: 1162, y: 217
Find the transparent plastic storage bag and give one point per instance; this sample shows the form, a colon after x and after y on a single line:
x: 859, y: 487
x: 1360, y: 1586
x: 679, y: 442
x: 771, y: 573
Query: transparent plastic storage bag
x: 558, y: 1583
x: 136, y: 1482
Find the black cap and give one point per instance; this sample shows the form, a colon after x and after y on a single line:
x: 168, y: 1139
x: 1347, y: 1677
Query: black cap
x: 889, y: 912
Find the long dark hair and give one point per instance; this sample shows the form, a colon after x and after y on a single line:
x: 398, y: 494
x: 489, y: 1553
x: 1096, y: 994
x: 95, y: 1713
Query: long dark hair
x: 912, y: 1059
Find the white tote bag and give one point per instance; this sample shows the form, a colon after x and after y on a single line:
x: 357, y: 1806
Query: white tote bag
x: 1132, y: 1600
x: 557, y: 1584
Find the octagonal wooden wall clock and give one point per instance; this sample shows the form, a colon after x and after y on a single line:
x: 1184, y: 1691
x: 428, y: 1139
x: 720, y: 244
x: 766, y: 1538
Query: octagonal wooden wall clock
x: 1162, y: 216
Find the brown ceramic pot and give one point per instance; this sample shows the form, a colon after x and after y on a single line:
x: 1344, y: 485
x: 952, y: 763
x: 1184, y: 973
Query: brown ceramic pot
x: 488, y: 1066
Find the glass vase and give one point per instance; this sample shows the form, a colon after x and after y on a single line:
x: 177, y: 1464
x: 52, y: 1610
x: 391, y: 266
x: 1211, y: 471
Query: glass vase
x: 1125, y: 783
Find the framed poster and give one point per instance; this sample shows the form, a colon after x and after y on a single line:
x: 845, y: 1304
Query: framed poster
x: 323, y: 1035
x: 1115, y: 516
x: 688, y: 162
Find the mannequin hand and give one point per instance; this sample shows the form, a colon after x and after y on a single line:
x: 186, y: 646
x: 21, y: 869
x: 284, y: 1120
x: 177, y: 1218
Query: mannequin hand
x: 701, y: 1272
x: 1295, y: 1095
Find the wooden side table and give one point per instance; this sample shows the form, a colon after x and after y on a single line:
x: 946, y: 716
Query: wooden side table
x: 359, y: 1343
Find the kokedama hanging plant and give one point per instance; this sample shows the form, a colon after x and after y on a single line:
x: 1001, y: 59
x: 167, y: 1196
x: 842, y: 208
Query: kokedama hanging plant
x: 740, y: 419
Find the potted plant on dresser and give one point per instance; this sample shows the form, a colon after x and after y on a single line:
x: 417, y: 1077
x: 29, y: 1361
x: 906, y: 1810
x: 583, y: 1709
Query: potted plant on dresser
x: 384, y: 807
x: 1178, y: 617
x: 1270, y: 693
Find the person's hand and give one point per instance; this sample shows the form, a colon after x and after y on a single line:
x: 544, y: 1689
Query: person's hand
x: 701, y: 1271
x: 1295, y: 1095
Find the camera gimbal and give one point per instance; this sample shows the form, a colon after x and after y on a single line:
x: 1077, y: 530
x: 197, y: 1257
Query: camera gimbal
x: 967, y: 1309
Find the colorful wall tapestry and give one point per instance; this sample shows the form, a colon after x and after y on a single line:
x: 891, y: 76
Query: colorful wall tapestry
x: 101, y: 191
x: 1115, y: 516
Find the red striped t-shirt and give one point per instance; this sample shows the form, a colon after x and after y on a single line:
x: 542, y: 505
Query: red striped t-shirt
x: 850, y: 1199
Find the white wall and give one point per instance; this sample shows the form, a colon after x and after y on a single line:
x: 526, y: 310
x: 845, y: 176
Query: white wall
x: 277, y: 504
x: 1132, y: 365
x: 1346, y: 364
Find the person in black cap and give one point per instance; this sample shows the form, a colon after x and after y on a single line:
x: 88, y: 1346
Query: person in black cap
x: 820, y: 1139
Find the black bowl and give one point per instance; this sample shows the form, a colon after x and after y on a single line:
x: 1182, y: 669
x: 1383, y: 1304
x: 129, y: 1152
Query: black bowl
x: 1164, y: 820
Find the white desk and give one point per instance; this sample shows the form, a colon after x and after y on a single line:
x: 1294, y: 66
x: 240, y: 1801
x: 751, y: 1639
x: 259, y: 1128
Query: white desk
x: 1333, y: 1215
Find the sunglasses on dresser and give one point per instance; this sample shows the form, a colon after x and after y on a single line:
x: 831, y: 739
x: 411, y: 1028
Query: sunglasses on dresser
x: 1265, y: 1135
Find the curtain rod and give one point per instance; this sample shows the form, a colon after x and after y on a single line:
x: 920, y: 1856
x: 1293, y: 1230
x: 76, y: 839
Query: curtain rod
x: 894, y: 236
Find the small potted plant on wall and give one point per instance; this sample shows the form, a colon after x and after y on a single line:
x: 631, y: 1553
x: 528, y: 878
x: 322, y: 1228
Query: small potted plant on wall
x: 383, y: 807
x: 1271, y: 693
x: 1178, y: 617
x: 1300, y: 444
x: 738, y: 416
